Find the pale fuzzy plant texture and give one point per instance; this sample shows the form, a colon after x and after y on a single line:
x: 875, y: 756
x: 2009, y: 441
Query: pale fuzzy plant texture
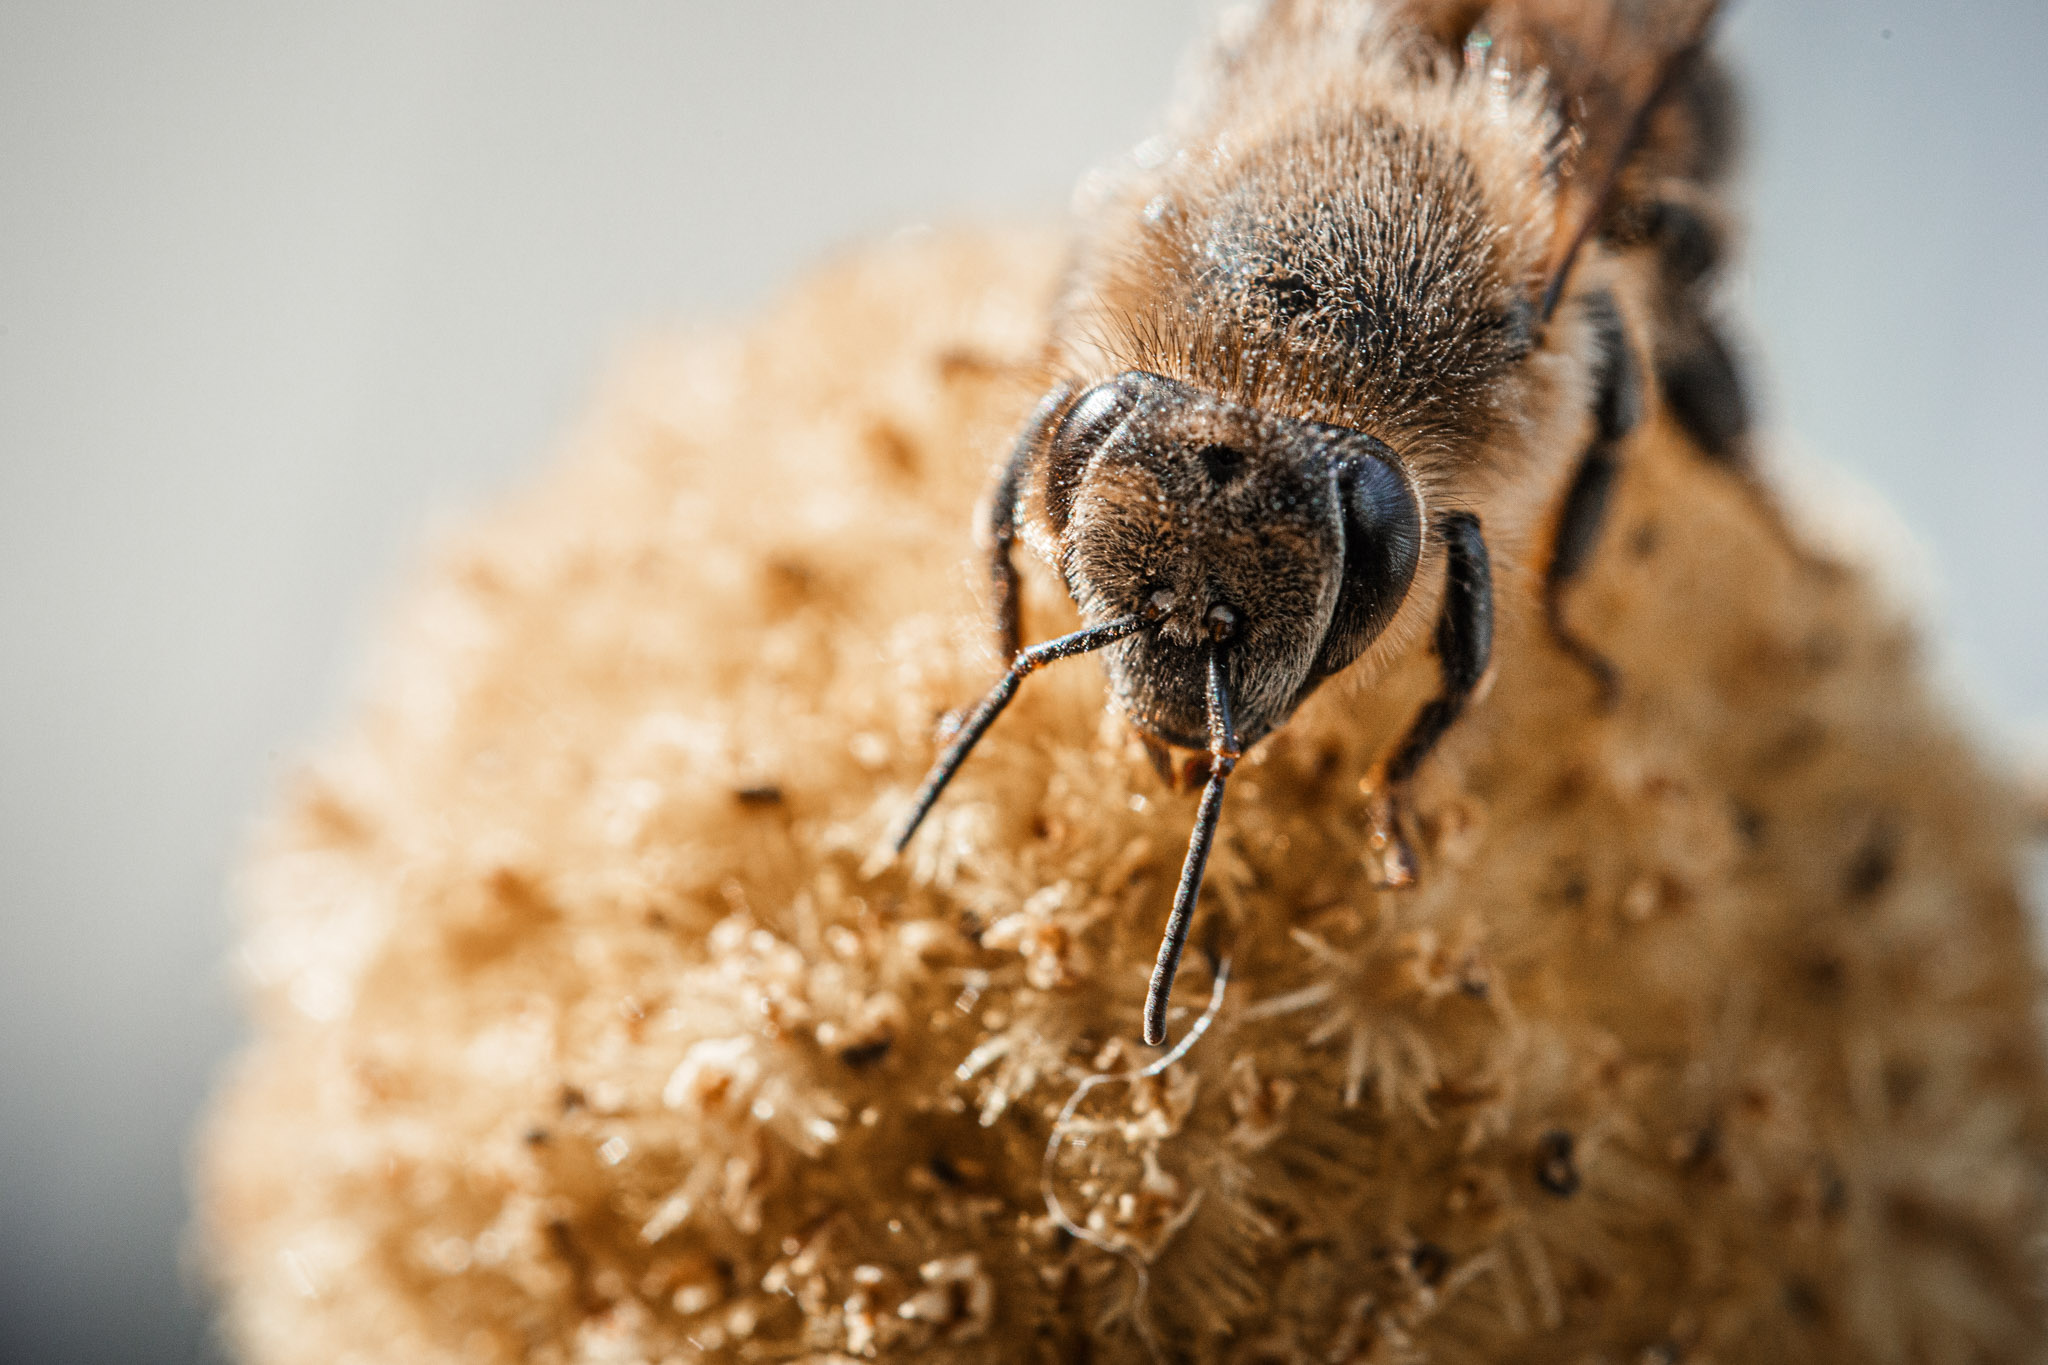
x: 591, y: 1030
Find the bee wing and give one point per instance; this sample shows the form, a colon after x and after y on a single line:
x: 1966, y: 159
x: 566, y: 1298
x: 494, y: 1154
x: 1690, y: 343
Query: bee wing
x: 1605, y: 64
x: 1639, y: 102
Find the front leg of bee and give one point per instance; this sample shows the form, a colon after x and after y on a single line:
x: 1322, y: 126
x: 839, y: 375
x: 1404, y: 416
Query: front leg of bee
x: 1617, y: 406
x: 1005, y: 604
x: 1464, y: 646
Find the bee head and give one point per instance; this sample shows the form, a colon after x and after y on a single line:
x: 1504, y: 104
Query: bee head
x: 1289, y: 543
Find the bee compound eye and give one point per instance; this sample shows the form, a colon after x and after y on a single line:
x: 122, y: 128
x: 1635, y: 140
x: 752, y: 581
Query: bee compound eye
x: 1222, y: 622
x: 1095, y: 415
x: 1089, y: 423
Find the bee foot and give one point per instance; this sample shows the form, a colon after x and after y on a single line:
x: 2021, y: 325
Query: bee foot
x: 1389, y: 857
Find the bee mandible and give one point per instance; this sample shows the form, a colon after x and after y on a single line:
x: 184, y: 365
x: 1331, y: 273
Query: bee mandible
x: 1315, y: 331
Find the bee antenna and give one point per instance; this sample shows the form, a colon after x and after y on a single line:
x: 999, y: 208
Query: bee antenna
x: 1032, y: 659
x: 1668, y: 73
x: 1223, y: 754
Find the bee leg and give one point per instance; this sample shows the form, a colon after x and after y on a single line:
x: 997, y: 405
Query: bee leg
x: 1578, y: 532
x: 1617, y: 407
x: 1703, y: 392
x: 1697, y: 376
x: 1005, y: 603
x: 1002, y: 568
x: 1464, y: 646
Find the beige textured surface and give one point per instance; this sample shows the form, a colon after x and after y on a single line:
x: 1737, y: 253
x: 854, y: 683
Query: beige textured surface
x: 1708, y: 1035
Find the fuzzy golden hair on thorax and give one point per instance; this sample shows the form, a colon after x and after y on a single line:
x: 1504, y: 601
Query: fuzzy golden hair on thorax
x: 1342, y: 223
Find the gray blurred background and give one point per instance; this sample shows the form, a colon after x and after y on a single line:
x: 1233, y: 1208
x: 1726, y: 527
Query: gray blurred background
x: 284, y: 286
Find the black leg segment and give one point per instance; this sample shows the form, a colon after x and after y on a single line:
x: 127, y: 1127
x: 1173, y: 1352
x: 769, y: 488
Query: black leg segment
x: 1703, y: 391
x: 1578, y: 531
x: 1002, y: 520
x: 1617, y: 381
x: 1464, y: 642
x: 1617, y: 407
x: 1464, y: 646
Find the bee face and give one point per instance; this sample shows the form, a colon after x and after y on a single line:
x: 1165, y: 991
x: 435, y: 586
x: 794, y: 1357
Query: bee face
x: 1288, y: 542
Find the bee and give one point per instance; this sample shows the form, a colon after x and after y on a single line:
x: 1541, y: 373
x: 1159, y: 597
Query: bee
x: 1357, y: 308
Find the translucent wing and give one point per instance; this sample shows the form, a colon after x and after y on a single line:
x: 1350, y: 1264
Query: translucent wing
x: 1640, y: 102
